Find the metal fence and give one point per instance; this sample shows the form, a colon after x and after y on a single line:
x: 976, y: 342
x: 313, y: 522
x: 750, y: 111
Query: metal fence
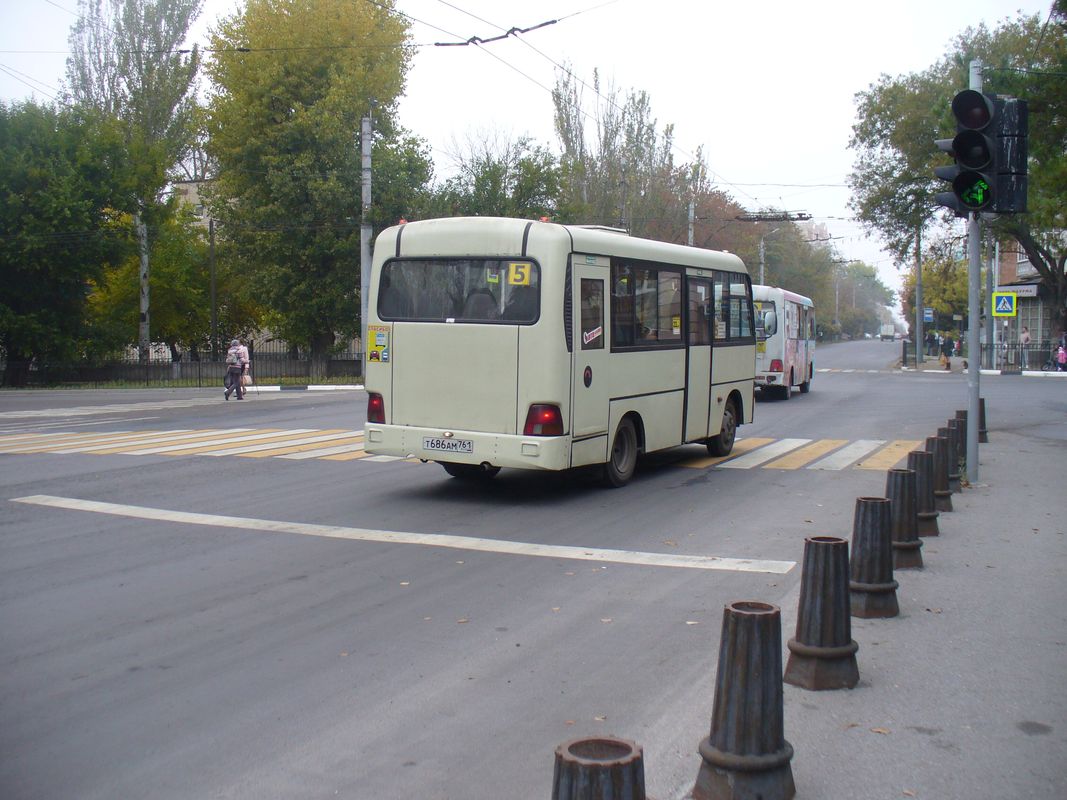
x: 1006, y: 357
x: 273, y: 362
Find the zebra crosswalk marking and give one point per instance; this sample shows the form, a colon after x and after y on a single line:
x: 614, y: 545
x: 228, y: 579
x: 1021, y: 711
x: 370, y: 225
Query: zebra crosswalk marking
x: 845, y: 456
x: 764, y: 454
x: 136, y: 445
x: 888, y: 457
x: 306, y: 443
x: 806, y: 454
x: 339, y: 444
x: 327, y: 451
x: 229, y: 442
x: 741, y: 446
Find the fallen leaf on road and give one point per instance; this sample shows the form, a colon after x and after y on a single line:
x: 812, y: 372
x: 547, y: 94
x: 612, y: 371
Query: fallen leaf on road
x: 883, y: 731
x: 405, y: 583
x: 462, y: 621
x: 555, y: 608
x: 934, y: 610
x: 605, y: 619
x: 569, y: 722
x: 692, y: 622
x: 600, y: 718
x: 670, y: 542
x: 909, y: 793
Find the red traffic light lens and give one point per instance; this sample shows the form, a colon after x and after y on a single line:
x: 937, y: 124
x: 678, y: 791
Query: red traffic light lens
x: 972, y: 109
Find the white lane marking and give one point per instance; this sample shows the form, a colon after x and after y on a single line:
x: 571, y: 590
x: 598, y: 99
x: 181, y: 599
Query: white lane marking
x: 280, y: 443
x: 847, y: 455
x: 224, y: 439
x: 431, y: 539
x: 763, y: 454
x: 325, y: 451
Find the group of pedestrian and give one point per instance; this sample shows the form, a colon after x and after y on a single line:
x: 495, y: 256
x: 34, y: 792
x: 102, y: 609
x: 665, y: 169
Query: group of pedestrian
x: 1058, y: 356
x: 237, y: 370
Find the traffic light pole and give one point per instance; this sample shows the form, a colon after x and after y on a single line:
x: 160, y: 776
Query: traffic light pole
x: 974, y: 345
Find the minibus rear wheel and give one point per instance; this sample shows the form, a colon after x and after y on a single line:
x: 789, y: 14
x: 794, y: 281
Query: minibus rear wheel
x: 723, y: 443
x: 622, y: 460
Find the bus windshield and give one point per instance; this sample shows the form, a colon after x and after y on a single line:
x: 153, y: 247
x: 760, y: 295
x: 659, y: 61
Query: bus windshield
x: 460, y: 290
x: 764, y: 309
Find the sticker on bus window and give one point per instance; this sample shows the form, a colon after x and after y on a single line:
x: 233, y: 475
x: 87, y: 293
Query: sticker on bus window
x: 519, y: 273
x: 676, y: 324
x: 492, y: 276
x: 592, y: 336
x: 378, y: 343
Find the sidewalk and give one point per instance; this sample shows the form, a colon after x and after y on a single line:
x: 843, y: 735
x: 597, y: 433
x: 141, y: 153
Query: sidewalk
x: 964, y: 694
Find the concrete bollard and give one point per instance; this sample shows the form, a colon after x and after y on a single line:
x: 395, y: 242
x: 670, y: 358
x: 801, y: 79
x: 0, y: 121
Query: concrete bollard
x: 951, y: 458
x: 900, y: 488
x: 922, y: 464
x: 956, y: 429
x: 942, y: 496
x: 599, y: 768
x: 872, y: 590
x: 823, y: 653
x: 961, y: 416
x: 746, y: 755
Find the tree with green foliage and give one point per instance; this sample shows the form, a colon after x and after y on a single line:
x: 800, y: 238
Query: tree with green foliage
x: 500, y: 178
x: 293, y: 78
x: 623, y: 172
x: 899, y: 118
x: 63, y: 173
x: 181, y: 277
x: 126, y: 62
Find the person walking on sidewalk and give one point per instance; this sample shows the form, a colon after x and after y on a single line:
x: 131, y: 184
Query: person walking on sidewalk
x: 947, y: 347
x: 1024, y: 348
x: 236, y: 369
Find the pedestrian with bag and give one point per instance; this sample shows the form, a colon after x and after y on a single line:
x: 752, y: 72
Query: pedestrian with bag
x: 237, y: 364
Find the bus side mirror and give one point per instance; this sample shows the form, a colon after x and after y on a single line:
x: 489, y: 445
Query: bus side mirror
x: 770, y: 323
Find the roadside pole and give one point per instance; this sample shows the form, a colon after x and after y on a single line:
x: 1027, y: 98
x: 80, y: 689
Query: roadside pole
x: 974, y: 346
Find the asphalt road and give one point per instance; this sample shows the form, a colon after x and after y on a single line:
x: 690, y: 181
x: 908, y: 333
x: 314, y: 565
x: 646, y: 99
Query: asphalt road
x: 258, y: 625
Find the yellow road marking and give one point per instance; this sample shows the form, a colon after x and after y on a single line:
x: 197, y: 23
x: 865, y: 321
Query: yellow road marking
x: 296, y: 448
x: 741, y: 446
x: 888, y: 456
x: 160, y: 438
x: 804, y: 455
x: 272, y: 436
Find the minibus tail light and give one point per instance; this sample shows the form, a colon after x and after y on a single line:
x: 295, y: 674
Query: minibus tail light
x: 776, y: 365
x: 375, y: 408
x: 543, y: 420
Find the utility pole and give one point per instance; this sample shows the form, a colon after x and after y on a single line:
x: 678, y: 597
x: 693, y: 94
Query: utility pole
x: 214, y: 309
x: 365, y: 230
x: 920, y: 356
x: 770, y: 216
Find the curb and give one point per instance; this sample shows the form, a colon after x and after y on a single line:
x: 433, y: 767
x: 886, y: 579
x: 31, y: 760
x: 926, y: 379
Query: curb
x: 313, y: 388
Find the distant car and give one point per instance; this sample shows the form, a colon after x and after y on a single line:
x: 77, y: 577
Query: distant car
x: 896, y: 336
x: 867, y: 336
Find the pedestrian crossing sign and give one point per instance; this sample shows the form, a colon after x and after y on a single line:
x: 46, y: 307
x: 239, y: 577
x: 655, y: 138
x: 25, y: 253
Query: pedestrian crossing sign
x: 1004, y: 304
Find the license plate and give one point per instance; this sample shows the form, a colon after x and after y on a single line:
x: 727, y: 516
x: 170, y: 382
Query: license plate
x: 448, y: 445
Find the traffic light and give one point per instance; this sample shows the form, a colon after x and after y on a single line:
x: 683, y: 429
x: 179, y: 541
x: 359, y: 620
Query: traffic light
x: 974, y: 176
x: 1012, y: 133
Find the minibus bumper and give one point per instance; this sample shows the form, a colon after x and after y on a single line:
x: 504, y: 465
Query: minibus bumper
x: 468, y: 447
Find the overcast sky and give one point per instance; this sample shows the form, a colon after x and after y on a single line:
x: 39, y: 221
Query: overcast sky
x: 728, y: 76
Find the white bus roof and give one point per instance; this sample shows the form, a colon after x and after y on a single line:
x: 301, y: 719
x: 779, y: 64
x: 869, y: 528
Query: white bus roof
x: 506, y: 236
x: 760, y: 292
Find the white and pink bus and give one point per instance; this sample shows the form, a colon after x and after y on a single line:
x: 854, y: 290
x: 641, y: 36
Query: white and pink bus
x: 785, y: 341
